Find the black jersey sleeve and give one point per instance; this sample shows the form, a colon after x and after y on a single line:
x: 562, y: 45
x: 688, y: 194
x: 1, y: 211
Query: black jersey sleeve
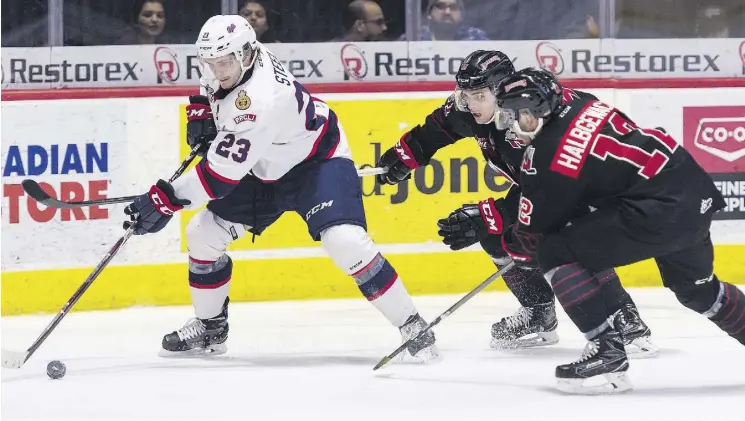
x: 444, y: 126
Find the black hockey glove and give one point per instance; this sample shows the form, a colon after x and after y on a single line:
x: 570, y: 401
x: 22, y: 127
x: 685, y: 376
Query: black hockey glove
x: 200, y: 129
x: 470, y: 224
x: 521, y: 246
x: 401, y: 159
x: 152, y: 211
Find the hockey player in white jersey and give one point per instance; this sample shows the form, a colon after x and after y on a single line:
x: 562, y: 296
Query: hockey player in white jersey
x: 270, y: 147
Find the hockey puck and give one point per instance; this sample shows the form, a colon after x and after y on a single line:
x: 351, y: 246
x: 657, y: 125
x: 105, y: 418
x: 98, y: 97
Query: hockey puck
x: 56, y: 370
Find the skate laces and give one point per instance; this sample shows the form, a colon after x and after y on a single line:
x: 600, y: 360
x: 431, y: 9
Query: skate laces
x: 411, y: 329
x: 590, y: 350
x: 520, y: 318
x: 191, y: 329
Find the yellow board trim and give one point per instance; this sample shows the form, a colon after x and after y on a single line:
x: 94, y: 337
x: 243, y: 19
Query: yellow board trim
x: 286, y: 279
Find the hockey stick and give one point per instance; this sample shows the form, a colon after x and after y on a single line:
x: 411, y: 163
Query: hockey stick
x: 16, y: 359
x: 33, y: 189
x: 444, y: 315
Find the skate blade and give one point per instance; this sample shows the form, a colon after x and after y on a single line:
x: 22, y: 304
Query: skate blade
x: 641, y: 348
x: 604, y: 384
x: 213, y: 350
x: 528, y: 341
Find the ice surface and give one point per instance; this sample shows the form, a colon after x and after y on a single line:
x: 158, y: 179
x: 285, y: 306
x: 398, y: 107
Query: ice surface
x: 313, y: 361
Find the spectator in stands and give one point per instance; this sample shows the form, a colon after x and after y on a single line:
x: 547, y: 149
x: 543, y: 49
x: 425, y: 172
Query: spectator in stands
x: 711, y: 22
x: 363, y: 21
x: 445, y: 23
x: 149, y: 24
x: 582, y: 28
x: 255, y: 12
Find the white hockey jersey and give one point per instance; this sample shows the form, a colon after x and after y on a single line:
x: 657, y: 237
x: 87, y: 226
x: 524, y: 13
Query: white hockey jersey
x: 267, y: 125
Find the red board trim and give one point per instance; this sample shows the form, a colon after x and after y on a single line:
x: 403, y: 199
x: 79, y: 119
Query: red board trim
x: 369, y: 87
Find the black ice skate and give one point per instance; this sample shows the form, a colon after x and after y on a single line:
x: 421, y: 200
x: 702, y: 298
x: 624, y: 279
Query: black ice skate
x: 198, y: 337
x: 424, y: 349
x: 601, y: 369
x: 637, y: 338
x: 528, y: 327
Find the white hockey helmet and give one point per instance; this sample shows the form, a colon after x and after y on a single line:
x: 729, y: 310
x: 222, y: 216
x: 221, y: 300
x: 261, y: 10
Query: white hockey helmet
x: 226, y: 48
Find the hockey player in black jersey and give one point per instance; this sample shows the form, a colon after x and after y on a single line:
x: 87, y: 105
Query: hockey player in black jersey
x: 650, y: 199
x: 471, y: 112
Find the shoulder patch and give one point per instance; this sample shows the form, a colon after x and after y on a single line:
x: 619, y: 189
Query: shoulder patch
x: 243, y: 101
x: 244, y: 117
x: 449, y: 104
x: 527, y: 164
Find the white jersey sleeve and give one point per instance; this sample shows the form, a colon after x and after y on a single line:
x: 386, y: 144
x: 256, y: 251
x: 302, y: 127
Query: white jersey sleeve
x: 242, y: 140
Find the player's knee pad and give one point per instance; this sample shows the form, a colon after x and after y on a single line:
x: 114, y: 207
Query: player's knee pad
x: 208, y: 236
x: 354, y: 252
x: 349, y: 246
x: 702, y: 296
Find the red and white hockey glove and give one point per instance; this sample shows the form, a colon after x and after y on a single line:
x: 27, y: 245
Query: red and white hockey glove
x: 470, y: 224
x: 405, y: 156
x: 152, y: 211
x: 200, y: 128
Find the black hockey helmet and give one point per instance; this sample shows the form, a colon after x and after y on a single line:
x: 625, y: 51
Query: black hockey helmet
x: 482, y: 69
x: 536, y: 90
x: 531, y: 91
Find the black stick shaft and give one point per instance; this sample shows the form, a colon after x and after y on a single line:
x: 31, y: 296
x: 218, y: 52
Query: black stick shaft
x: 444, y: 315
x: 97, y: 271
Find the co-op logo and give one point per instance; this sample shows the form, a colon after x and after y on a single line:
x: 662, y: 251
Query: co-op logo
x: 548, y: 56
x: 723, y: 137
x: 166, y: 65
x: 353, y: 62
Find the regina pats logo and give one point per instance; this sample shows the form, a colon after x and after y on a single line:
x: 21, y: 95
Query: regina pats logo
x: 353, y: 61
x: 166, y: 65
x: 715, y: 136
x: 548, y: 56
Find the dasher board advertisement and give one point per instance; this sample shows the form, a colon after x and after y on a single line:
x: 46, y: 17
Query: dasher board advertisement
x: 163, y: 65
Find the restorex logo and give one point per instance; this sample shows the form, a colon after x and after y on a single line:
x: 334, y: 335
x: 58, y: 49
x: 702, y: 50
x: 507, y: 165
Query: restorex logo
x: 558, y: 60
x: 22, y: 70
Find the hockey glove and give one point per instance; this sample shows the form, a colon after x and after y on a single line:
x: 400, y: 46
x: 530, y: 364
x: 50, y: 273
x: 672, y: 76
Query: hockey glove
x: 472, y: 223
x: 200, y: 129
x: 522, y: 247
x: 401, y: 159
x: 151, y: 212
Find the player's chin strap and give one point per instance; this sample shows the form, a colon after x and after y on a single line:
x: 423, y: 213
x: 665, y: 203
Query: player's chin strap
x: 246, y: 67
x: 527, y: 135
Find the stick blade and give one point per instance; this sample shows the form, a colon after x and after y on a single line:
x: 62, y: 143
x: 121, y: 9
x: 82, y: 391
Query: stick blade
x: 14, y: 359
x: 33, y: 189
x: 382, y: 362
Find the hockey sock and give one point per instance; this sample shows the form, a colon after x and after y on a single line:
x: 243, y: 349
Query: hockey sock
x: 381, y: 285
x: 209, y: 283
x: 730, y: 314
x: 588, y: 298
x: 528, y: 286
